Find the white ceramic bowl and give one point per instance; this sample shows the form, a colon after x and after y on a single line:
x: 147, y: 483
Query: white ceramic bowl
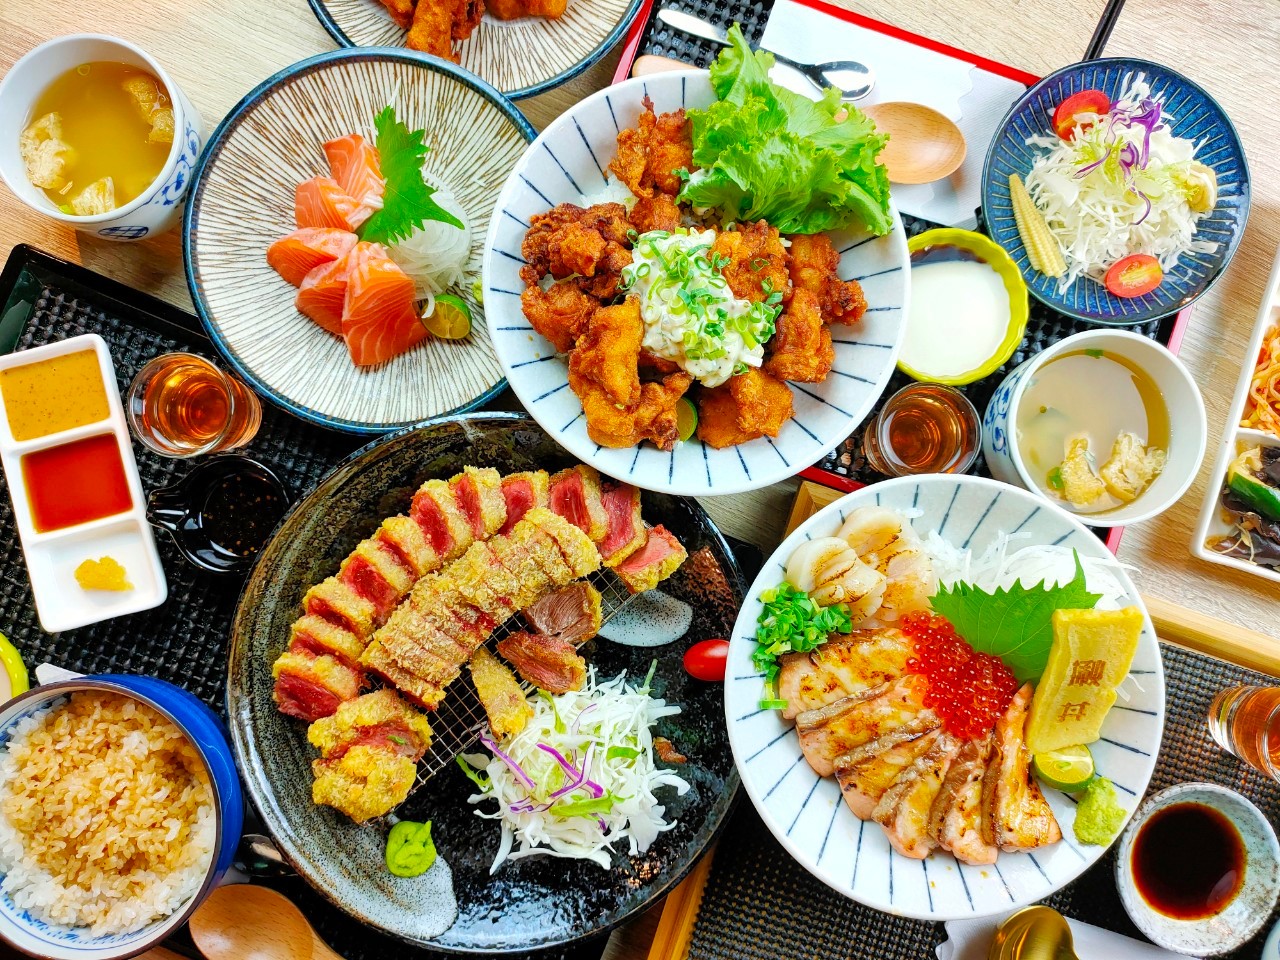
x: 1188, y: 432
x: 1251, y: 907
x: 158, y: 208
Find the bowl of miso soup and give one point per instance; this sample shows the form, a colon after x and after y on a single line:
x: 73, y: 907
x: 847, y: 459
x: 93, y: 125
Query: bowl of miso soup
x: 1106, y: 424
x: 95, y: 133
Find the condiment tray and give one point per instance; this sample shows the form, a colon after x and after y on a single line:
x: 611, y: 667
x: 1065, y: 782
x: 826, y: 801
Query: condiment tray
x: 53, y: 555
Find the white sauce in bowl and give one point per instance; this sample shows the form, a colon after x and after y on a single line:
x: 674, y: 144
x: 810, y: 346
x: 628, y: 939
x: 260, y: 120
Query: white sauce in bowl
x: 959, y: 315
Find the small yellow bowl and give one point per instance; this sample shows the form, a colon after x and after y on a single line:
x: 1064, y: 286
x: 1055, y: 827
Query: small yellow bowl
x: 11, y: 662
x: 992, y: 254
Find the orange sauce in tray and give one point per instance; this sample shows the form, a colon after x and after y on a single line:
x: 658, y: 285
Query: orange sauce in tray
x: 75, y: 483
x: 53, y: 395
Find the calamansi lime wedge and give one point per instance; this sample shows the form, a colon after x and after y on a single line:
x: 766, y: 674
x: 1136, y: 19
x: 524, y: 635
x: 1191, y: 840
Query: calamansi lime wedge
x: 686, y: 418
x: 1069, y: 769
x: 451, y: 318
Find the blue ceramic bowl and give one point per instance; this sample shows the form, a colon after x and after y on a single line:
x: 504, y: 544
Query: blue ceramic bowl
x: 1197, y: 116
x: 205, y: 731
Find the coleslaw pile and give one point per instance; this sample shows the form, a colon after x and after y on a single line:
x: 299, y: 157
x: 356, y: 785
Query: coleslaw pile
x: 581, y: 775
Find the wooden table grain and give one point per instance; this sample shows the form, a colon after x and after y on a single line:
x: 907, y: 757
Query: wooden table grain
x: 218, y: 50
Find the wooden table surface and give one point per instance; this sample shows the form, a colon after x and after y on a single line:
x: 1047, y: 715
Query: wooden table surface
x: 217, y: 50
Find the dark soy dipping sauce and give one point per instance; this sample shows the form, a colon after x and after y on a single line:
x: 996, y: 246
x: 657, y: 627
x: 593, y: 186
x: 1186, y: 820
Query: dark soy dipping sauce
x: 239, y: 513
x: 943, y: 253
x: 1188, y: 861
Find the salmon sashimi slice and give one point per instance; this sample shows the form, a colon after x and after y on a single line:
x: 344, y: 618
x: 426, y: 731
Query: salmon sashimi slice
x: 354, y: 163
x: 380, y: 315
x: 296, y: 255
x: 323, y: 293
x: 320, y: 202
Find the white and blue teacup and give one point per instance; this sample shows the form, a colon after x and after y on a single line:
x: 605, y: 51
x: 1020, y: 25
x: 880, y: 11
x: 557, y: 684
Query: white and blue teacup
x: 159, y: 207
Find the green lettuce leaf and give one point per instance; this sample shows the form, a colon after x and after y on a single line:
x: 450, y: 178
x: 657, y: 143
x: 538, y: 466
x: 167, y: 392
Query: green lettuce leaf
x: 764, y: 152
x: 406, y: 201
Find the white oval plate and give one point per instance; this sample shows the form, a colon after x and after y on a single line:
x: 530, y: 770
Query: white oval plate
x: 807, y: 813
x: 566, y: 164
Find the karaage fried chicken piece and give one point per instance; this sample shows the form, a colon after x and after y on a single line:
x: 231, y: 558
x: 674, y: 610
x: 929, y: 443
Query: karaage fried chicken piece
x: 608, y: 352
x: 588, y: 244
x: 659, y: 212
x: 656, y: 364
x: 606, y: 283
x: 401, y: 12
x: 757, y: 266
x: 466, y: 17
x: 653, y: 418
x: 431, y: 30
x: 814, y: 262
x: 650, y: 153
x: 751, y: 405
x: 560, y: 313
x: 515, y: 9
x: 802, y: 349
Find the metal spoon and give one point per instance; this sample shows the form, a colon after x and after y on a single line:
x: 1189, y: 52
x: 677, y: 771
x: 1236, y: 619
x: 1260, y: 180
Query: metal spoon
x: 1034, y: 933
x: 247, y: 922
x: 854, y: 80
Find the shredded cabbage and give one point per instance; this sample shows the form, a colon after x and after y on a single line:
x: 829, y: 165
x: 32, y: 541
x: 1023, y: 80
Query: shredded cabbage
x: 1120, y: 186
x: 581, y: 775
x: 435, y: 255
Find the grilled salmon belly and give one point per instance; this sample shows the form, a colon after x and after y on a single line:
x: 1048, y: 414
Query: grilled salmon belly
x: 841, y: 667
x: 830, y: 731
x: 1016, y: 815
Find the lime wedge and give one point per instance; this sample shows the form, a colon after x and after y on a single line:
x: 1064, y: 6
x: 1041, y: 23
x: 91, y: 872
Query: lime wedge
x: 686, y: 418
x: 450, y: 320
x: 1069, y: 769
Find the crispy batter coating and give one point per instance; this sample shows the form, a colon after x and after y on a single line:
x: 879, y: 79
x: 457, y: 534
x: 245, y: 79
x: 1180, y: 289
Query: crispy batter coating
x: 467, y: 15
x: 653, y: 418
x: 802, y: 348
x: 749, y: 406
x: 560, y: 313
x: 757, y: 262
x: 650, y: 153
x: 569, y: 240
x: 814, y: 263
x: 656, y: 364
x: 609, y: 351
x: 607, y: 281
x: 432, y: 29
x: 401, y: 12
x: 658, y: 212
x: 514, y: 9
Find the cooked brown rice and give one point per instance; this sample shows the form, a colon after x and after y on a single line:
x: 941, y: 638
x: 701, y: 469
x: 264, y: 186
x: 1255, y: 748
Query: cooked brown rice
x: 106, y: 815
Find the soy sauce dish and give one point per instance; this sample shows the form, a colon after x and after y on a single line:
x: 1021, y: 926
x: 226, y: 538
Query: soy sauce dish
x: 1198, y: 869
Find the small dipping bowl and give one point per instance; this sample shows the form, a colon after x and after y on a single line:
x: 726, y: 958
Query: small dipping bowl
x: 1188, y: 431
x: 205, y: 732
x: 1240, y: 917
x: 154, y: 210
x: 941, y: 245
x: 222, y: 513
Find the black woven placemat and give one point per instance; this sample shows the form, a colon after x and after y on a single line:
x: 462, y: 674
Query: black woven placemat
x: 760, y: 904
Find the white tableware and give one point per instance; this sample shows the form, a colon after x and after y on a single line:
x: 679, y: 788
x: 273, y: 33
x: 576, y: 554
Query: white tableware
x: 807, y: 814
x: 52, y: 557
x: 567, y: 164
x: 1188, y: 432
x: 158, y: 208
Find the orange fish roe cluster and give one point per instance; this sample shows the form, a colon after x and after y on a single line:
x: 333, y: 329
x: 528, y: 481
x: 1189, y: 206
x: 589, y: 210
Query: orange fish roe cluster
x: 968, y: 690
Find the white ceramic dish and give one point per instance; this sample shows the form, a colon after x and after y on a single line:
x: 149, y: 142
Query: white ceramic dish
x: 566, y: 164
x: 1235, y: 439
x: 158, y: 207
x: 1187, y: 436
x: 1247, y: 911
x: 807, y: 814
x: 53, y: 557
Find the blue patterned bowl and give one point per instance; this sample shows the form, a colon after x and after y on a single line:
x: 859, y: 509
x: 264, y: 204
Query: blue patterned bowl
x: 206, y: 733
x: 1197, y: 116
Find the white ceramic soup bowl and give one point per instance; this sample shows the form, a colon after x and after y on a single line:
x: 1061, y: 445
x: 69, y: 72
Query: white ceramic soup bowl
x: 159, y: 207
x: 1188, y: 432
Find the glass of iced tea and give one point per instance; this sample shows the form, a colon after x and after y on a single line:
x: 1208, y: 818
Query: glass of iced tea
x: 181, y: 405
x: 923, y: 428
x: 1245, y: 721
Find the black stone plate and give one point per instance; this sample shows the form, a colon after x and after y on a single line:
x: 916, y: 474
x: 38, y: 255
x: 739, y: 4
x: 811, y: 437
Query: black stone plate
x: 529, y: 904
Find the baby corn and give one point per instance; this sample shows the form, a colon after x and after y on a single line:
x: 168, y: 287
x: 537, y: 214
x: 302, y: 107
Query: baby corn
x: 1042, y: 246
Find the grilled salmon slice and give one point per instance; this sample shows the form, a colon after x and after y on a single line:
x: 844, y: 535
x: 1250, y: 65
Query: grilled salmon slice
x: 841, y: 667
x: 904, y: 809
x: 866, y: 772
x: 956, y: 820
x: 831, y: 731
x: 1016, y: 816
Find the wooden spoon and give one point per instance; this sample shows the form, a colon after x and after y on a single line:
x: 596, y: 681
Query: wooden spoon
x: 924, y: 145
x: 247, y: 922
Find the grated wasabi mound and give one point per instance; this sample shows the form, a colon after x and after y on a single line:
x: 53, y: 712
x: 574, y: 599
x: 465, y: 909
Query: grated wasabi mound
x: 1099, y: 816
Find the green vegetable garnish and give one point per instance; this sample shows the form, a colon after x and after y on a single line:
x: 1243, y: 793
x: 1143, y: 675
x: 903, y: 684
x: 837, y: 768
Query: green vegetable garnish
x: 585, y: 808
x: 765, y: 152
x: 628, y: 753
x: 1016, y: 624
x: 410, y: 851
x: 1243, y: 479
x: 791, y: 623
x: 1095, y: 353
x: 394, y: 739
x: 1055, y: 479
x: 475, y: 776
x: 406, y: 200
x: 1099, y: 815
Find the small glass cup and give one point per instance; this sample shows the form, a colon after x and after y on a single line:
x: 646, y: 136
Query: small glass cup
x: 181, y: 405
x: 923, y: 428
x: 1245, y: 721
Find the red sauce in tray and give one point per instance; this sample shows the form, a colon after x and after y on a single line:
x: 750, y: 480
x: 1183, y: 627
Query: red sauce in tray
x: 1188, y: 861
x: 74, y: 483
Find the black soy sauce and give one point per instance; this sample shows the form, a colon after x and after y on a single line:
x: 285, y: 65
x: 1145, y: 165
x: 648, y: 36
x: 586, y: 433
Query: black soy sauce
x: 1188, y: 861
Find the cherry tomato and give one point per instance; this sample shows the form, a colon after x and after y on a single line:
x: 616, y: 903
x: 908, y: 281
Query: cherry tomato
x: 706, y: 659
x: 1086, y: 101
x: 1134, y: 276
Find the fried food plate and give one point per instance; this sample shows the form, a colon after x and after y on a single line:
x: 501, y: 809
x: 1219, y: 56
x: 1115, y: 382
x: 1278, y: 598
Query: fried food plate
x: 532, y: 903
x: 567, y: 164
x: 808, y: 815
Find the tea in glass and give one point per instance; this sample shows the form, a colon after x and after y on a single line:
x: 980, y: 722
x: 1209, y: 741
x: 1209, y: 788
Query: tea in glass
x: 181, y: 405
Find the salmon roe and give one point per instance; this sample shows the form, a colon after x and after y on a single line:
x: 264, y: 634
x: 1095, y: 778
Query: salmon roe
x: 968, y: 690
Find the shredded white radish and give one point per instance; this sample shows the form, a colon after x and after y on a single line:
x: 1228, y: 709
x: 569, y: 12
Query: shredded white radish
x: 435, y: 255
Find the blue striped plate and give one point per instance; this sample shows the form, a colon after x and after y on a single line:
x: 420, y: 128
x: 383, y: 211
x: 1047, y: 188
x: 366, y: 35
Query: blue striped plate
x: 807, y: 814
x: 1197, y: 116
x: 567, y: 164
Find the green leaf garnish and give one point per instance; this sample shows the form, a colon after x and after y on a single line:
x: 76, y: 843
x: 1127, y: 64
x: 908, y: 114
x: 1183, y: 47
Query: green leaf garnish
x: 1016, y: 624
x: 626, y: 753
x: 1055, y: 479
x: 1094, y: 353
x: 479, y: 779
x: 406, y: 201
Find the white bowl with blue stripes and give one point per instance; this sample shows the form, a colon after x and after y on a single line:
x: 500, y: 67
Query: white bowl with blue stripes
x: 807, y: 814
x: 568, y: 163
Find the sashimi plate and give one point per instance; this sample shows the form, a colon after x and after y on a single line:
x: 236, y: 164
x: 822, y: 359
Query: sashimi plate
x: 243, y: 199
x: 808, y: 815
